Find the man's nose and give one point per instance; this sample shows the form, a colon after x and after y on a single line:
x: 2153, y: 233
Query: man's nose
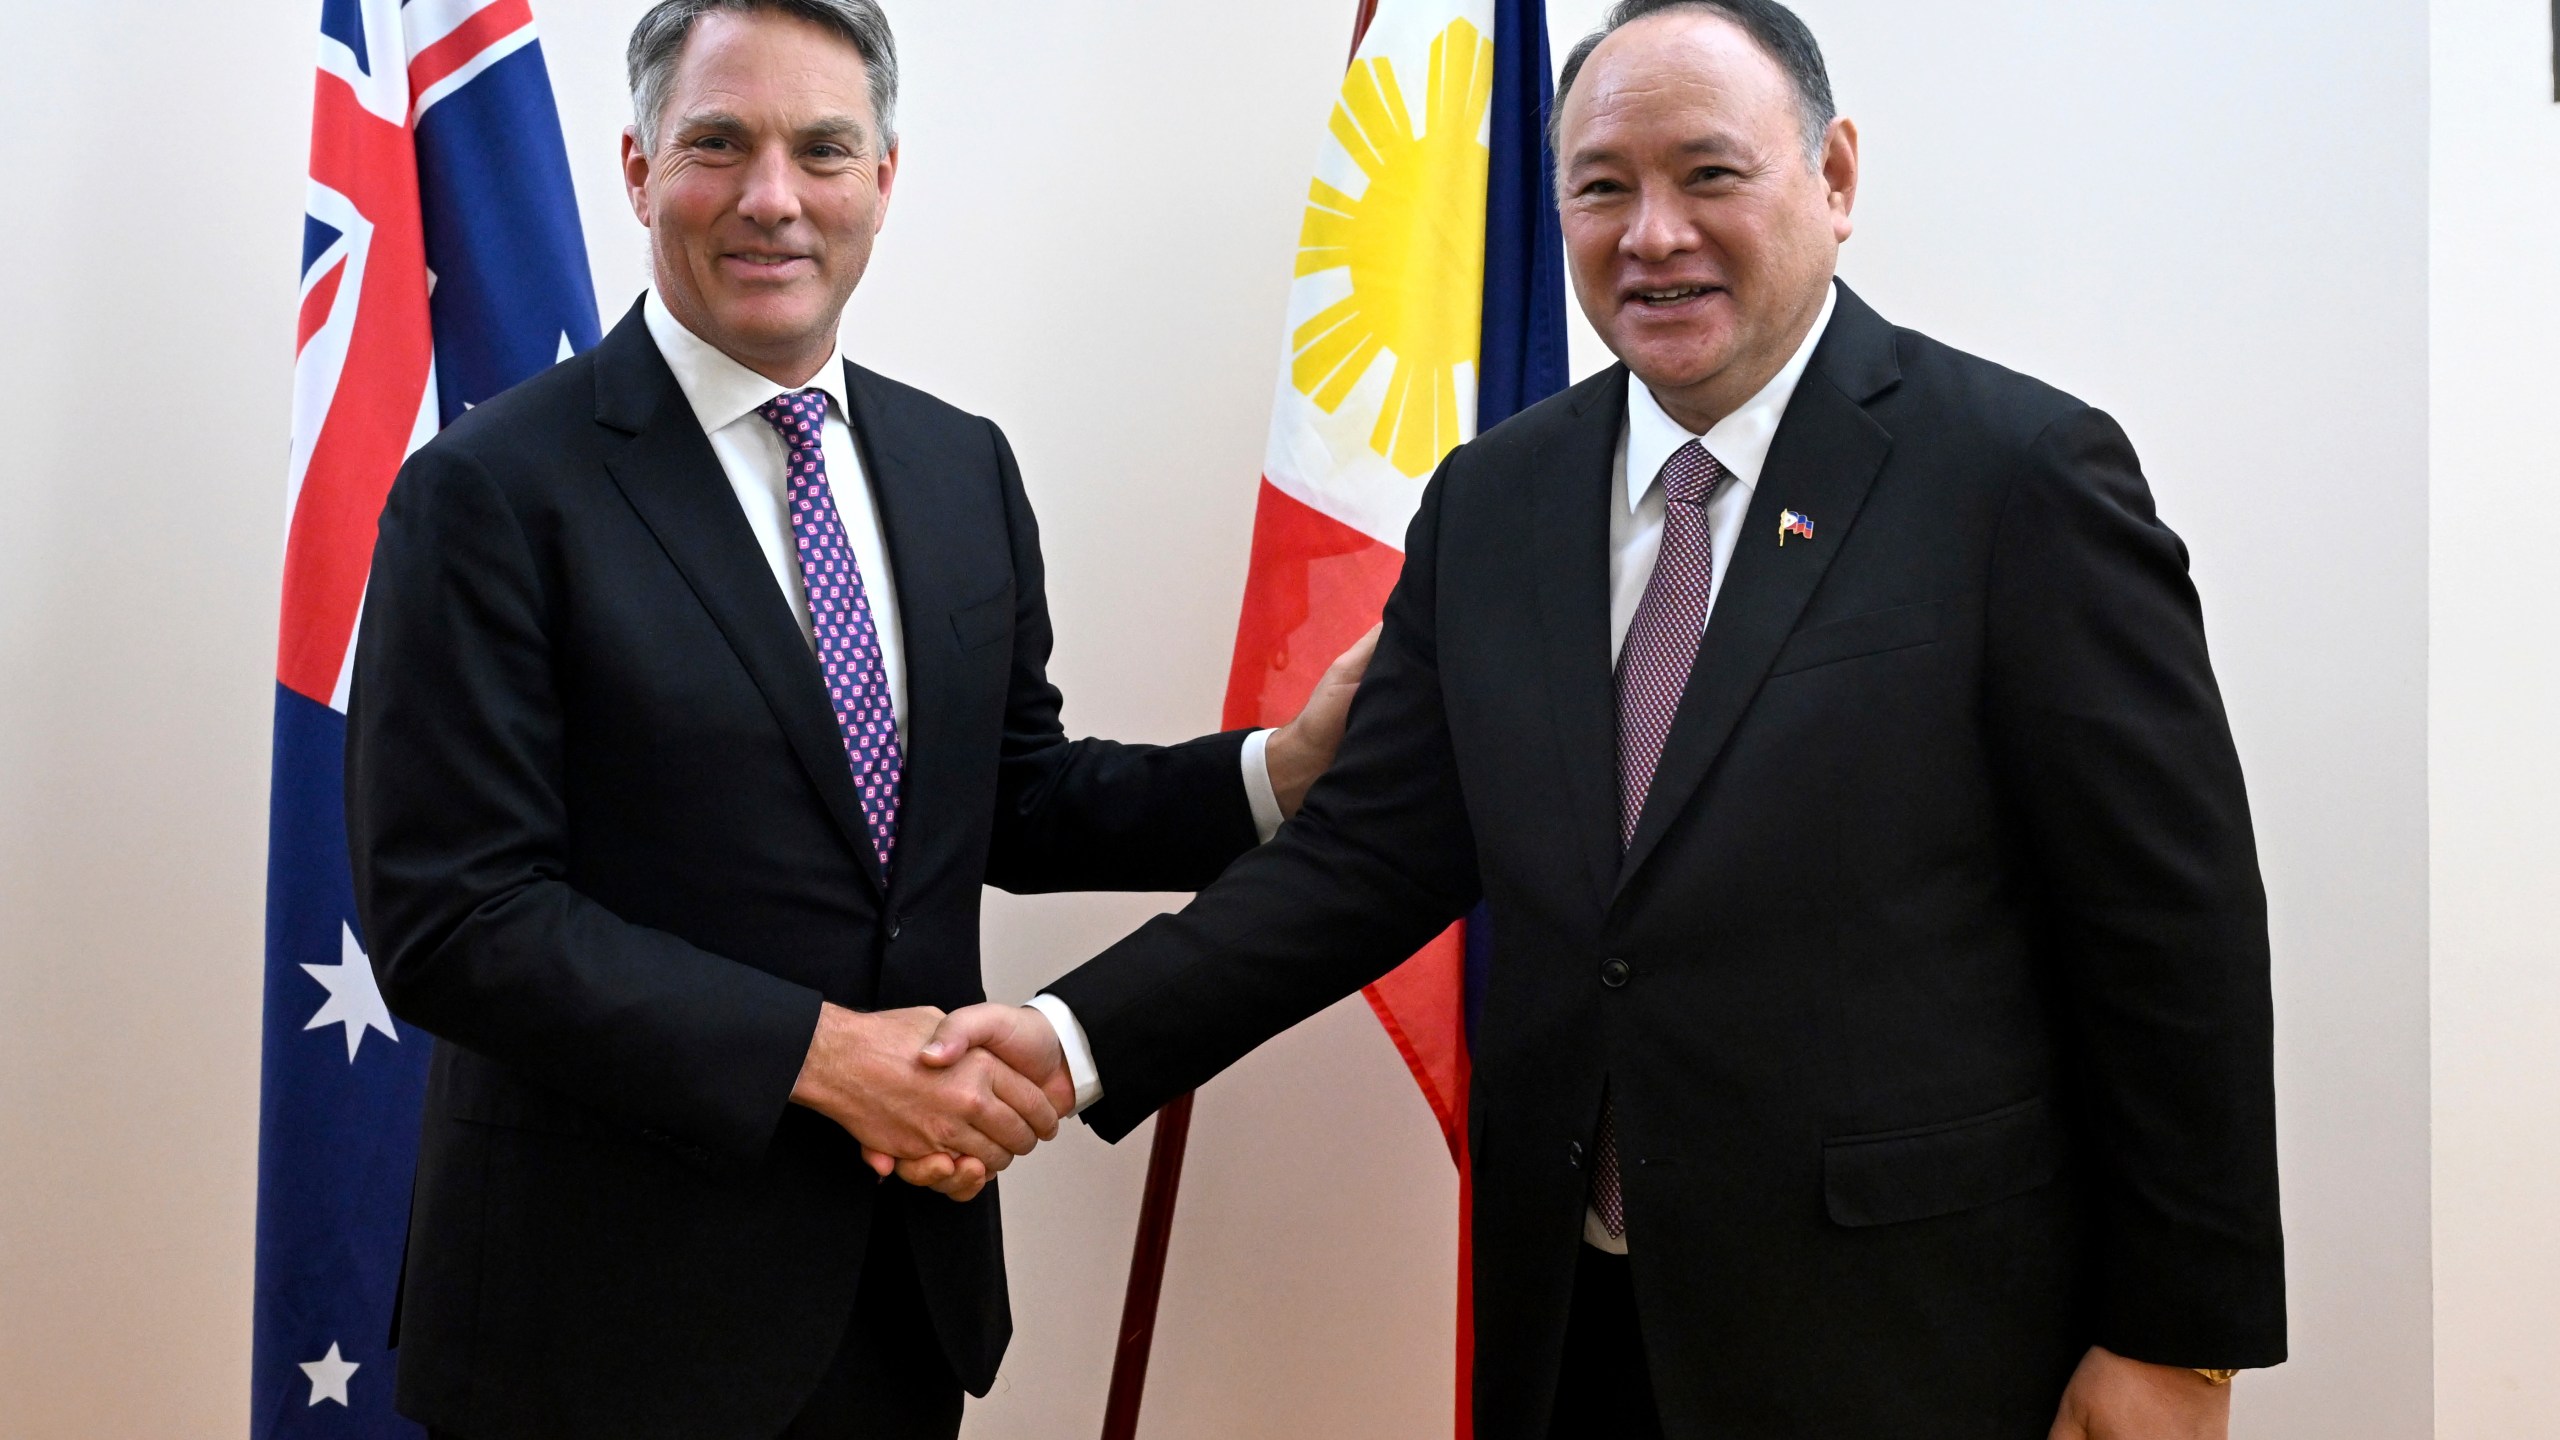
x: 1658, y: 230
x: 771, y: 196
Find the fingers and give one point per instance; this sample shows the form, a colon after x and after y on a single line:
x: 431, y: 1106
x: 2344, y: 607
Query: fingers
x: 965, y: 1183
x: 932, y: 1172
x: 988, y: 1105
x: 881, y: 1163
x: 947, y: 1175
x: 967, y: 1029
x: 1060, y: 1088
x: 1351, y: 665
x: 1025, y: 1099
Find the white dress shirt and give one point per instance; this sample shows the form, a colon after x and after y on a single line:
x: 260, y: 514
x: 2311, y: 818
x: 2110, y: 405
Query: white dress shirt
x: 724, y: 395
x: 1740, y: 442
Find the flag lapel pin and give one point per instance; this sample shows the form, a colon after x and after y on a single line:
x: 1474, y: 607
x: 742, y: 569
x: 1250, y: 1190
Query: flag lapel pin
x: 1791, y: 522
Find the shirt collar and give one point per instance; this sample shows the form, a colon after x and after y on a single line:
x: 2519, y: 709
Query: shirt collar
x: 1740, y: 441
x: 720, y: 390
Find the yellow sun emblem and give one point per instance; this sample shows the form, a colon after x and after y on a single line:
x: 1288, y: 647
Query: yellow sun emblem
x: 1414, y: 244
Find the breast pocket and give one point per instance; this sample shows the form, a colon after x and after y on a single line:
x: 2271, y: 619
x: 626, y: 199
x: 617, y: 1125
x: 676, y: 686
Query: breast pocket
x: 1887, y: 1178
x: 985, y: 622
x: 1876, y: 632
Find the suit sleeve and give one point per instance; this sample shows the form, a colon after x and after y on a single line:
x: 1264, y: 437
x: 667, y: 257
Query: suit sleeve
x: 2109, y: 734
x: 458, y: 827
x: 1097, y: 814
x: 1379, y: 860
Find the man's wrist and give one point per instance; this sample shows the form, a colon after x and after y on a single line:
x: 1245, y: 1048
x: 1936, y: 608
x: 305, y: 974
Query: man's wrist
x: 1073, y: 1045
x: 816, y: 1085
x: 1259, y: 796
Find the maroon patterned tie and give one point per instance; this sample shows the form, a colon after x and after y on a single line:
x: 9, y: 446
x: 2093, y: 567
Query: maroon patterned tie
x: 1653, y: 670
x: 840, y: 615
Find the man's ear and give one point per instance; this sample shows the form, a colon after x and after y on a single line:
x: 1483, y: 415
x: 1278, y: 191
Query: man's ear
x: 635, y: 173
x: 1840, y: 174
x: 886, y: 177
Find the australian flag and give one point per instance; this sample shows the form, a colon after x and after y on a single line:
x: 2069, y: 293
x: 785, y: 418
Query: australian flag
x: 441, y: 263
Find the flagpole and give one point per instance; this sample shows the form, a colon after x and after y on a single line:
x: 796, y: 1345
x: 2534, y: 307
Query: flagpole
x: 1146, y: 1272
x: 1138, y: 1306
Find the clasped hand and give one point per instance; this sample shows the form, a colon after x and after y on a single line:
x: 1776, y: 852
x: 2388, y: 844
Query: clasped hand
x: 947, y: 1101
x: 942, y: 1101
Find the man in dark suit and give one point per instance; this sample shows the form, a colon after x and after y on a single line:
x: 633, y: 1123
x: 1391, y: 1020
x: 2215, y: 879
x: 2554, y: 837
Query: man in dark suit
x: 702, y: 687
x: 1877, y: 1036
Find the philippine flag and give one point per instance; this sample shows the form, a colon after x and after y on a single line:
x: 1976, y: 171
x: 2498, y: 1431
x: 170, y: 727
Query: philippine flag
x: 1428, y: 304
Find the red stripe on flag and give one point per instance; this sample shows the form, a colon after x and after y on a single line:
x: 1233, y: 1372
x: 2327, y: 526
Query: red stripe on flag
x: 1423, y: 1004
x: 329, y: 549
x: 465, y: 41
x: 315, y: 306
x: 1314, y: 585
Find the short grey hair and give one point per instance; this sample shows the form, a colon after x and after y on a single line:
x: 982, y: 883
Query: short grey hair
x: 657, y: 42
x: 1772, y: 26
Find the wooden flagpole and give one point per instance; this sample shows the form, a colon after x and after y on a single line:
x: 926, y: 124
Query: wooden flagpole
x: 1164, y: 1180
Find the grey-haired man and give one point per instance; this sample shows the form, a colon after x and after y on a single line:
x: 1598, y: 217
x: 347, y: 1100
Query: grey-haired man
x: 701, y: 690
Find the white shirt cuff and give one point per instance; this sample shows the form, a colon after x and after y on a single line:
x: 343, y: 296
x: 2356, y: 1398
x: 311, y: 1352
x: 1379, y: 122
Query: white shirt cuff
x: 1079, y: 1051
x: 1257, y: 785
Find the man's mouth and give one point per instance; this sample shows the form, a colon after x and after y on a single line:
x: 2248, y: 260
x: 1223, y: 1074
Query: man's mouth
x: 764, y: 259
x: 1665, y: 298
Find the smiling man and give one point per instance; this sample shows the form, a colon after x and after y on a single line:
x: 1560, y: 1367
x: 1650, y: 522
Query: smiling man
x: 702, y: 687
x: 1876, y: 1041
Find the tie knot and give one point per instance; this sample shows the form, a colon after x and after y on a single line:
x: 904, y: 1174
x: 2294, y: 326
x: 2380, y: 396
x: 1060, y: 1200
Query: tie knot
x: 1690, y: 475
x: 798, y: 416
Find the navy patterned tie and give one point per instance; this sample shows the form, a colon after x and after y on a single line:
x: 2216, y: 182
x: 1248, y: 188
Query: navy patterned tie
x: 1653, y: 672
x: 840, y: 613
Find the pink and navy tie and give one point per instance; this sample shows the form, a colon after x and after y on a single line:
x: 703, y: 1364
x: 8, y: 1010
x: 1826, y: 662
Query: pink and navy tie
x: 840, y: 613
x: 1653, y: 672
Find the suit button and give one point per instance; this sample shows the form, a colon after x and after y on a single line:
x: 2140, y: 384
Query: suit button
x: 1614, y: 973
x: 1573, y: 1153
x: 893, y: 927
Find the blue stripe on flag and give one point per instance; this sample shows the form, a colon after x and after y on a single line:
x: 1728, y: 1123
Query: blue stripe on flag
x: 1523, y: 350
x: 493, y: 176
x: 1522, y: 359
x: 317, y: 236
x: 343, y: 21
x: 337, y: 1137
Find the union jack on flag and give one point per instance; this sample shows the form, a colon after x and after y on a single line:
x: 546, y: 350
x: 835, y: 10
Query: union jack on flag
x: 441, y: 263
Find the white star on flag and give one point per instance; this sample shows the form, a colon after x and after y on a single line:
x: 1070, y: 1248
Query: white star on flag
x: 354, y: 1000
x: 329, y: 1375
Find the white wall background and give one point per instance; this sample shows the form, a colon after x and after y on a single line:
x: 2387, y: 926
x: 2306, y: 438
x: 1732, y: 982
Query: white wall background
x: 2211, y: 219
x: 2495, y: 780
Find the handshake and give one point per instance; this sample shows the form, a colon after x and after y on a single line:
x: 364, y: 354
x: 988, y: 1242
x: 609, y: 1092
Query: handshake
x: 942, y: 1101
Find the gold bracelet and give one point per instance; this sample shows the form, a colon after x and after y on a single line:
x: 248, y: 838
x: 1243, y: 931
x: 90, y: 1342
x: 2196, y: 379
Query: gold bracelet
x: 2217, y: 1377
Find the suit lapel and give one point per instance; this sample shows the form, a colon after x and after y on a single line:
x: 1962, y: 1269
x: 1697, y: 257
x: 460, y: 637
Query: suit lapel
x: 673, y: 480
x: 1821, y: 464
x: 927, y: 561
x: 1574, y: 478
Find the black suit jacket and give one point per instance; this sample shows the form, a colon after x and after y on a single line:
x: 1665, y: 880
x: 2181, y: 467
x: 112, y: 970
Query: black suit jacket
x: 608, y: 851
x: 1933, y: 989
